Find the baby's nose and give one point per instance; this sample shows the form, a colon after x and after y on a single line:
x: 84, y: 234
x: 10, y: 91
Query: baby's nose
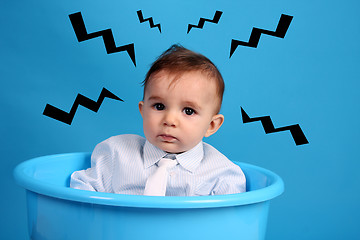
x: 170, y: 119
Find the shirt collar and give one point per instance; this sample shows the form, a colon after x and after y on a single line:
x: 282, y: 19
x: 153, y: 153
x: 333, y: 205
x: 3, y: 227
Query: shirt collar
x: 152, y: 154
x: 189, y: 160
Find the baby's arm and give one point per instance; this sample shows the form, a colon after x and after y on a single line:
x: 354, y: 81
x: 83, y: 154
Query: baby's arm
x: 98, y: 177
x: 232, y: 181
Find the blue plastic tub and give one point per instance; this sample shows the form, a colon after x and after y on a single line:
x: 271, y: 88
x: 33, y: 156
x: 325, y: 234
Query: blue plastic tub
x: 56, y: 211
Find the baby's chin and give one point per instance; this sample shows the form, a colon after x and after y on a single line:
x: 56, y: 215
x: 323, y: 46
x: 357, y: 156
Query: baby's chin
x: 172, y: 150
x: 171, y: 147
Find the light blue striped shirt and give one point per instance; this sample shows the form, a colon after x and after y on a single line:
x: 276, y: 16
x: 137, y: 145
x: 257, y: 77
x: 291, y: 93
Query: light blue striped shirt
x: 122, y: 164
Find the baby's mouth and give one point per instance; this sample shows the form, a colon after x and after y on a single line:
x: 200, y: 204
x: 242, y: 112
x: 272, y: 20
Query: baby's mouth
x: 167, y: 138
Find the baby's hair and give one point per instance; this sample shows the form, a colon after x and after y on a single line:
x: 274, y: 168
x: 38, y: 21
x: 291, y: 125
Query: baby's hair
x: 177, y: 60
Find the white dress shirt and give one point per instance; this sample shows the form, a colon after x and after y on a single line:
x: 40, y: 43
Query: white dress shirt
x: 123, y: 163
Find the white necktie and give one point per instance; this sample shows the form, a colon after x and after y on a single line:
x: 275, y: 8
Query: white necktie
x: 156, y: 183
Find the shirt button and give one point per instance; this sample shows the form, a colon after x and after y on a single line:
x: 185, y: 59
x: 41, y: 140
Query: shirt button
x: 172, y: 174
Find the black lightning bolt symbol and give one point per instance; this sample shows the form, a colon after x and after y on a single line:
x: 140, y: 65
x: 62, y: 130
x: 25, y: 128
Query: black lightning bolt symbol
x: 254, y: 39
x: 67, y: 118
x: 108, y: 38
x: 295, y: 130
x: 150, y: 19
x: 203, y: 20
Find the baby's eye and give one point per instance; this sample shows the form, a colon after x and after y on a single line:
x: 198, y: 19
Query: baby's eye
x: 189, y: 111
x: 159, y: 106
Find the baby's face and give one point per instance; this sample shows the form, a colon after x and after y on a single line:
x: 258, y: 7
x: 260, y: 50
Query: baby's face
x: 177, y: 116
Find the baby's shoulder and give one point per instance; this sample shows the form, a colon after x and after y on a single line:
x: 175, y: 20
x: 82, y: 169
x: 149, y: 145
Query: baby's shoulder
x: 128, y: 141
x: 125, y: 138
x: 212, y: 151
x: 215, y: 156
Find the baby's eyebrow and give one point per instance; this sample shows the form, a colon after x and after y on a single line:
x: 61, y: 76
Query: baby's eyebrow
x: 192, y: 105
x: 155, y: 98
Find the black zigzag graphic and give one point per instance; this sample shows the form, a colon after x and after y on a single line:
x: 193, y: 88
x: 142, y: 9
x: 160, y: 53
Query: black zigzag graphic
x: 108, y: 38
x: 150, y: 20
x: 67, y: 118
x: 254, y: 39
x: 203, y: 20
x: 295, y: 130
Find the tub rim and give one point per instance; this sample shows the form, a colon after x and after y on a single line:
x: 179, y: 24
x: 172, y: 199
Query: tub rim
x: 140, y: 201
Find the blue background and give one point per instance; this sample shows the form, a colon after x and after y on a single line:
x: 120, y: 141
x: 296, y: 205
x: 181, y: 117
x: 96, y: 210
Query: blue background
x: 311, y: 78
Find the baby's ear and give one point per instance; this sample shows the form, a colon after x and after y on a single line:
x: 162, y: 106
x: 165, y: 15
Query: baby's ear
x: 215, y: 124
x: 141, y: 104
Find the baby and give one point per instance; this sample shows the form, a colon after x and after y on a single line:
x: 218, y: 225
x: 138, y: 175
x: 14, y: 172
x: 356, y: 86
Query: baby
x: 182, y: 98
